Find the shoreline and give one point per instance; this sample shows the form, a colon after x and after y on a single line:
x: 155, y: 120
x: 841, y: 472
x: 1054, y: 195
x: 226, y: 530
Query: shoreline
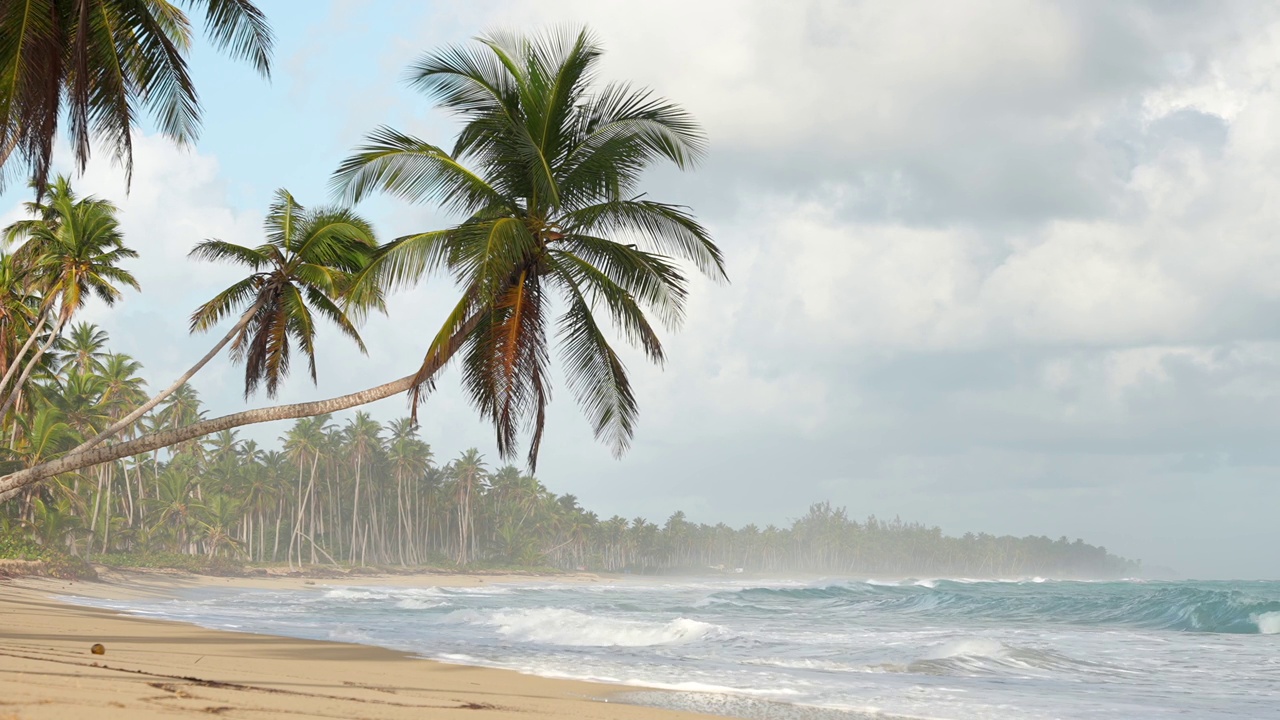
x: 166, y: 669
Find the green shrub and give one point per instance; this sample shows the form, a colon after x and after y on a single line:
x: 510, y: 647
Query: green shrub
x: 54, y: 562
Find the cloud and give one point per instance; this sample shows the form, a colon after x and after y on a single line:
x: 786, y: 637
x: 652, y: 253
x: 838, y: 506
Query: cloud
x: 1006, y: 267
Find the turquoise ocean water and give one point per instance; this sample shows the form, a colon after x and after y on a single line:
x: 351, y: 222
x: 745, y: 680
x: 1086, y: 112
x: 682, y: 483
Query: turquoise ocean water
x: 828, y: 648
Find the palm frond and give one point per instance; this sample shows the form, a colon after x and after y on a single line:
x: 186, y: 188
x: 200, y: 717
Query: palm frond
x: 575, y: 275
x: 240, y: 27
x: 238, y: 296
x: 596, y: 375
x: 213, y: 250
x: 669, y: 228
x: 417, y: 171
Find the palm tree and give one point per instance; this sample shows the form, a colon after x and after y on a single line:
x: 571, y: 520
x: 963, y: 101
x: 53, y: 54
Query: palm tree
x: 362, y: 436
x: 18, y: 308
x: 552, y: 208
x: 124, y: 388
x: 409, y: 458
x: 468, y: 473
x: 546, y: 171
x: 73, y: 247
x: 302, y: 444
x: 98, y: 63
x: 180, y: 409
x: 304, y: 269
x: 83, y: 349
x: 174, y: 510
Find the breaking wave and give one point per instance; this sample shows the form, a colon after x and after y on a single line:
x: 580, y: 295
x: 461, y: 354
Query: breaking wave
x: 559, y: 626
x: 1145, y: 605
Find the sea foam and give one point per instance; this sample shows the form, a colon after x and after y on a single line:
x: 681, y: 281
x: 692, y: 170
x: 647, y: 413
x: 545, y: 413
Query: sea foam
x: 1268, y: 623
x: 559, y: 626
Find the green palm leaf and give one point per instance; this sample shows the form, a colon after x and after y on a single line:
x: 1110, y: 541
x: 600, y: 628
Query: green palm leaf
x: 544, y: 175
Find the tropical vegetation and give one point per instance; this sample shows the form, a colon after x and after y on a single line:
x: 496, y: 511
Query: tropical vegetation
x: 353, y: 492
x: 545, y: 173
x: 555, y: 250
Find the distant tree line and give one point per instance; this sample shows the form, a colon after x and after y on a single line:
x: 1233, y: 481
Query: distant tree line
x: 357, y: 492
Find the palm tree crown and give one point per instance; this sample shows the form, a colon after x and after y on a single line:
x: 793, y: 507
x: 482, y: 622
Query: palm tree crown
x: 98, y: 62
x: 73, y: 247
x: 306, y: 266
x: 546, y: 172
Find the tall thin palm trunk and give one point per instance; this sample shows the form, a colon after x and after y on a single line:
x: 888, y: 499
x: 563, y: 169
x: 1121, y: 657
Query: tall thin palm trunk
x: 15, y: 391
x: 355, y: 512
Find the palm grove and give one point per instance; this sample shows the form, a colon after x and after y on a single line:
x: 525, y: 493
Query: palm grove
x: 557, y: 250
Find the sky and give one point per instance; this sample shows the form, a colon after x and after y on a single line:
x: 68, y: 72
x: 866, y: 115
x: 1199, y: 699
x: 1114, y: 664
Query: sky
x: 1004, y: 267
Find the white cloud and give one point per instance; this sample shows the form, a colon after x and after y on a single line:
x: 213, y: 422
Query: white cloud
x: 1004, y: 266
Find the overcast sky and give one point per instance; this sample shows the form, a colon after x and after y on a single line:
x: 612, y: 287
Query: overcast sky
x: 998, y: 266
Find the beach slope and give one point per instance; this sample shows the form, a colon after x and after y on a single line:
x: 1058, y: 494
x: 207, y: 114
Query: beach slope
x: 159, y: 669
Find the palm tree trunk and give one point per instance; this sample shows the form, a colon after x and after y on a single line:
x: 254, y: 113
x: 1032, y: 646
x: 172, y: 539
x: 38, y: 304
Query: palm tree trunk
x: 159, y: 397
x: 31, y: 365
x: 9, y: 484
x: 106, y: 508
x: 355, y: 512
x: 312, y: 513
x: 275, y: 545
x: 293, y: 537
x: 16, y: 362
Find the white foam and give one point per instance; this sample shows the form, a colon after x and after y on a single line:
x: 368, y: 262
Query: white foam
x: 925, y: 584
x: 559, y: 626
x: 356, y: 594
x: 698, y: 687
x: 972, y: 647
x: 806, y: 664
x: 420, y: 604
x: 1268, y: 623
x: 481, y: 590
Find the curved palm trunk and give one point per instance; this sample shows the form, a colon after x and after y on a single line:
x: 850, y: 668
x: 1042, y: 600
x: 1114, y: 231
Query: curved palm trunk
x: 16, y: 362
x: 14, y: 392
x: 159, y: 397
x: 11, y: 483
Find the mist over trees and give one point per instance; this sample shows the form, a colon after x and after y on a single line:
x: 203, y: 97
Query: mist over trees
x: 352, y: 492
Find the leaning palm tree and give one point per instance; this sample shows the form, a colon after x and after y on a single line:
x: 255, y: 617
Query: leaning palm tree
x: 98, y: 64
x: 305, y: 268
x: 546, y: 171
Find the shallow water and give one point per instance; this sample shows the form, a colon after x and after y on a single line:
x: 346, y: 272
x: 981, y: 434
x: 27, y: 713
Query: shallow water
x: 955, y: 649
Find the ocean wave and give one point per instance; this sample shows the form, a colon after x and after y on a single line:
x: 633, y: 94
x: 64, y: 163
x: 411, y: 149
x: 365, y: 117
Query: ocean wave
x: 345, y: 593
x: 560, y: 626
x: 1268, y: 622
x: 412, y: 603
x: 1036, y: 600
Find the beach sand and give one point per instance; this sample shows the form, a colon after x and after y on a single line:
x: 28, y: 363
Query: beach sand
x: 161, y: 669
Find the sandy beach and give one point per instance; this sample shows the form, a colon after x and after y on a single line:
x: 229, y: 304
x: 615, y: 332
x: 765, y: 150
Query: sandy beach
x: 160, y: 669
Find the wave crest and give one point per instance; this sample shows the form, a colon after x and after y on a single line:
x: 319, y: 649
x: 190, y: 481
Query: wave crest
x: 559, y: 626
